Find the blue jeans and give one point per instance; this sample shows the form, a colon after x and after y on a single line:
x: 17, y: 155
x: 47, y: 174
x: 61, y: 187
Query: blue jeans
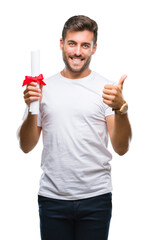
x: 85, y: 219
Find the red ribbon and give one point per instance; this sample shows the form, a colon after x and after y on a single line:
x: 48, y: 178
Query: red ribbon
x: 29, y: 79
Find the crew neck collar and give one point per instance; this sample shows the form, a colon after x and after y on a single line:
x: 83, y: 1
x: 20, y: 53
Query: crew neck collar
x: 76, y: 79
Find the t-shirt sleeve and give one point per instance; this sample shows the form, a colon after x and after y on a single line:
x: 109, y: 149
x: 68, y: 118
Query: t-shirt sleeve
x: 108, y: 111
x: 39, y: 123
x: 25, y: 114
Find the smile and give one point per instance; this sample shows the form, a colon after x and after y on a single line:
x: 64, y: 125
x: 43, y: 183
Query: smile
x: 77, y: 60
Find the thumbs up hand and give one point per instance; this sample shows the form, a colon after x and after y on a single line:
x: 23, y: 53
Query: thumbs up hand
x: 112, y: 94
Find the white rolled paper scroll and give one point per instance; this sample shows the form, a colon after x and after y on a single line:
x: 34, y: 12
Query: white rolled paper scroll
x: 35, y: 71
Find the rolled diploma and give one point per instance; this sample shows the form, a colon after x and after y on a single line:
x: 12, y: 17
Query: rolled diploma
x: 35, y: 71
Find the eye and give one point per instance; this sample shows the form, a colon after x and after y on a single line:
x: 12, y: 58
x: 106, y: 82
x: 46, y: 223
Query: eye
x: 72, y: 44
x: 85, y: 45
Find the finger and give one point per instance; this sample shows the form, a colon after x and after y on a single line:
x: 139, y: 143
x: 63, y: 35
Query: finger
x: 31, y: 99
x: 30, y: 88
x: 33, y: 84
x: 109, y: 91
x: 108, y: 86
x: 30, y: 94
x: 108, y: 97
x: 121, y: 81
x: 108, y: 102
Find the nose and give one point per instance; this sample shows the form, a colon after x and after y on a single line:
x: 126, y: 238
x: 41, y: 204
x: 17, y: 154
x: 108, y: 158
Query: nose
x: 78, y: 50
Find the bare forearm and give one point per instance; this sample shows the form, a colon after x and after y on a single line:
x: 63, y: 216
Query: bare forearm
x: 121, y: 134
x: 29, y: 133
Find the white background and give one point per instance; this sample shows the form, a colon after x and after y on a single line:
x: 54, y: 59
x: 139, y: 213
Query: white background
x: 122, y: 48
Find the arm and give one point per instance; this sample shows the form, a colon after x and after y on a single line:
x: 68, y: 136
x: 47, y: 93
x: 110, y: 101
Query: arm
x: 120, y: 132
x: 29, y: 132
x: 118, y: 125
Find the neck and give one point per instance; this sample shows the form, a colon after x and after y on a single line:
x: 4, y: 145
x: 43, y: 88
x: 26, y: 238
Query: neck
x: 72, y: 75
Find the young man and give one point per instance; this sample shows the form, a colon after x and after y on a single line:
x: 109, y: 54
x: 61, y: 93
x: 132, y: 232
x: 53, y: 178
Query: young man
x: 78, y: 108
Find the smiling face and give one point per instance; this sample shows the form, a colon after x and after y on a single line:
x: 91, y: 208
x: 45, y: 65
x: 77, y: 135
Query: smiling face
x: 77, y: 50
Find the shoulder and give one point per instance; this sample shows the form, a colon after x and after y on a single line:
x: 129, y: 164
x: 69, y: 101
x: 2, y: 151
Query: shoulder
x: 51, y: 82
x: 101, y: 79
x: 99, y: 82
x: 52, y: 78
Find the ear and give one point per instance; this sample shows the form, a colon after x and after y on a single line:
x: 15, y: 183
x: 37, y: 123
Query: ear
x: 94, y: 48
x: 61, y: 44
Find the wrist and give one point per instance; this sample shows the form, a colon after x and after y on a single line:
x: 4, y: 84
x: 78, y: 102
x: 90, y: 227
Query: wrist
x: 122, y: 110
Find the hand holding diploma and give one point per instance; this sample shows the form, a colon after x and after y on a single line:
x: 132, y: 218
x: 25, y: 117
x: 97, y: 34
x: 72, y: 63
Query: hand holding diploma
x: 33, y: 93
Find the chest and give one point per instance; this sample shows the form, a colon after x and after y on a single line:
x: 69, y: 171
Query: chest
x: 73, y: 101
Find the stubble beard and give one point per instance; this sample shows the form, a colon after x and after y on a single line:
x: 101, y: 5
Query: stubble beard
x: 86, y: 64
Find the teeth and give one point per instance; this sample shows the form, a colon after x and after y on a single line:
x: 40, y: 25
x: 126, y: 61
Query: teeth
x: 76, y: 60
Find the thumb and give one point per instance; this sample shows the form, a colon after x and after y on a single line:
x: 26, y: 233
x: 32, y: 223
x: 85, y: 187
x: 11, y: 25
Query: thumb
x: 41, y: 86
x: 121, y: 81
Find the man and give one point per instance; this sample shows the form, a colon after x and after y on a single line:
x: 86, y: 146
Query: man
x: 78, y: 108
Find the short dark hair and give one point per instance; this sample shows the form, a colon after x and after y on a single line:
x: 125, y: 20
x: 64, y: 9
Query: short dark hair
x: 80, y: 23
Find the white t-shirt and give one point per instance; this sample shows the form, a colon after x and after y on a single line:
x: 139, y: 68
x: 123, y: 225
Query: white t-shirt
x: 75, y: 158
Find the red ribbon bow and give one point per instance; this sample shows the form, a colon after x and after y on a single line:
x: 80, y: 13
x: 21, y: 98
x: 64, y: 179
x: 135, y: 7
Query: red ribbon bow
x: 29, y: 79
